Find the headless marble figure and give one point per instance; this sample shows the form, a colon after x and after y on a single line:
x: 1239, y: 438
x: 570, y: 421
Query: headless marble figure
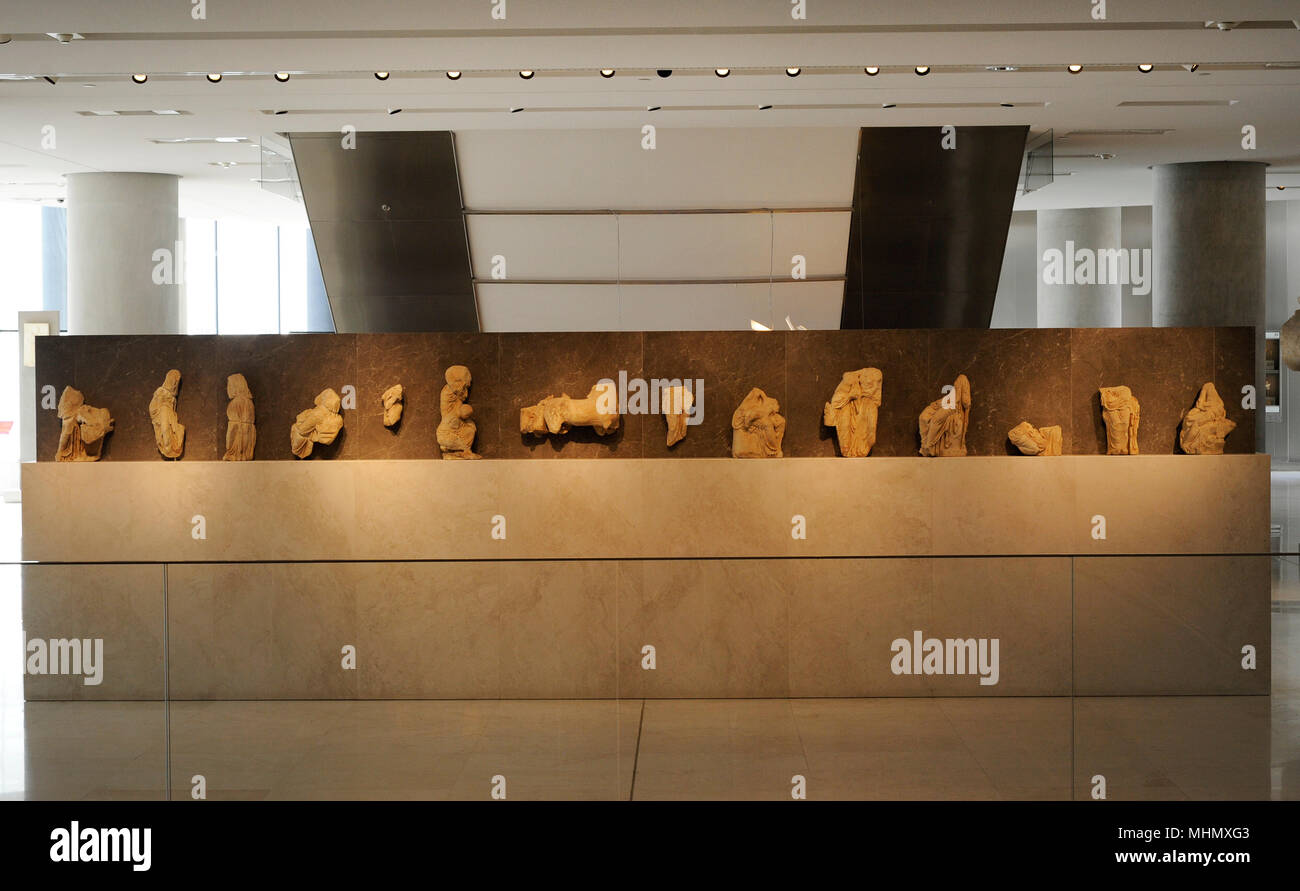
x: 241, y: 429
x: 84, y: 428
x: 853, y: 410
x: 168, y: 431
x: 1121, y: 412
x: 1206, y: 424
x: 944, y: 422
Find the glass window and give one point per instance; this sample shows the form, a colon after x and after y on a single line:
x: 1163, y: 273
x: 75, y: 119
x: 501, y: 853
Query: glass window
x: 21, y: 276
x: 248, y: 278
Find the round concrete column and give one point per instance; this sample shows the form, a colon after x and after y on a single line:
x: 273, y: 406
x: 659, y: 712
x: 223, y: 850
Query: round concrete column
x: 120, y: 281
x: 1207, y: 240
x: 1208, y: 244
x: 1080, y: 268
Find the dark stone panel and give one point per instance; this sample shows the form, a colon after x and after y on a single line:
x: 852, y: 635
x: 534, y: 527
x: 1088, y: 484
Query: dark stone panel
x: 419, y: 363
x: 534, y: 366
x: 815, y: 360
x: 1164, y: 367
x: 1044, y: 376
x: 285, y: 374
x: 1015, y: 375
x: 120, y: 374
x: 1234, y: 368
x: 56, y: 366
x: 202, y: 401
x: 731, y: 363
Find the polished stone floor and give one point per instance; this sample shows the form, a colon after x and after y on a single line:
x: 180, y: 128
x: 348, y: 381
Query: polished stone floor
x: 1156, y: 748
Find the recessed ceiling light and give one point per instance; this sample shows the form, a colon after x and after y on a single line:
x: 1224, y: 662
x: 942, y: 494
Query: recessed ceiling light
x: 282, y: 76
x: 5, y: 38
x: 526, y: 74
x: 381, y: 75
x: 1074, y: 69
x: 653, y: 107
x: 887, y: 105
x: 1008, y: 105
x: 721, y: 72
x: 764, y: 107
x: 922, y: 70
x: 394, y: 111
x: 872, y: 70
x: 607, y: 72
x: 792, y: 72
x: 665, y: 72
x: 1001, y: 68
x: 1146, y: 67
x: 139, y: 78
x: 515, y: 110
x: 453, y: 75
x: 214, y: 78
x: 1191, y: 69
x: 281, y: 111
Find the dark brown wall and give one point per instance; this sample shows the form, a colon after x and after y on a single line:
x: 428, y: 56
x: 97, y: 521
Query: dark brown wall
x: 1044, y: 376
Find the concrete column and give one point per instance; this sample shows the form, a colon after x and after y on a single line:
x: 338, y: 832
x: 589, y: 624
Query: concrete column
x: 1209, y: 247
x: 118, y: 281
x: 1079, y: 284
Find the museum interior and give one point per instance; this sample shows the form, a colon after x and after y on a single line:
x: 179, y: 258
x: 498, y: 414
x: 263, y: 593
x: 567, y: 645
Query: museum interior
x: 567, y: 400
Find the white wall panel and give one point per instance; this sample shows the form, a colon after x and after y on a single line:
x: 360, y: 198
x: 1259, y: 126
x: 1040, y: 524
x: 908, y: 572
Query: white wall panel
x: 689, y: 168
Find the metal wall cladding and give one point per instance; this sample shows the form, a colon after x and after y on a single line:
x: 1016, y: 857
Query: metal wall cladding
x: 386, y: 217
x: 929, y: 225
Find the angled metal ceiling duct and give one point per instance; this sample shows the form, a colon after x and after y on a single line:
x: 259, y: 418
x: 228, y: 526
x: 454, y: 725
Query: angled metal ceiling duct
x: 387, y: 220
x: 929, y: 226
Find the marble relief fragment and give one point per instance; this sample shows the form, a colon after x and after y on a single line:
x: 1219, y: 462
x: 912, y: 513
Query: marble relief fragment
x: 1121, y: 412
x: 319, y: 424
x: 556, y: 414
x: 853, y: 410
x: 757, y: 428
x: 456, y: 431
x: 81, y: 437
x: 944, y: 422
x: 392, y: 399
x: 168, y: 432
x: 676, y: 403
x: 1033, y: 440
x: 1206, y: 424
x: 241, y: 428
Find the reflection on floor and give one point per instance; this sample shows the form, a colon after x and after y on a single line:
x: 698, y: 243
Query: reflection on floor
x: 1284, y: 516
x: 1242, y: 747
x: 1011, y: 748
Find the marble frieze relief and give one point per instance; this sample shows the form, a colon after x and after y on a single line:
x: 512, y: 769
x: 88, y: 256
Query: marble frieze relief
x: 775, y: 394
